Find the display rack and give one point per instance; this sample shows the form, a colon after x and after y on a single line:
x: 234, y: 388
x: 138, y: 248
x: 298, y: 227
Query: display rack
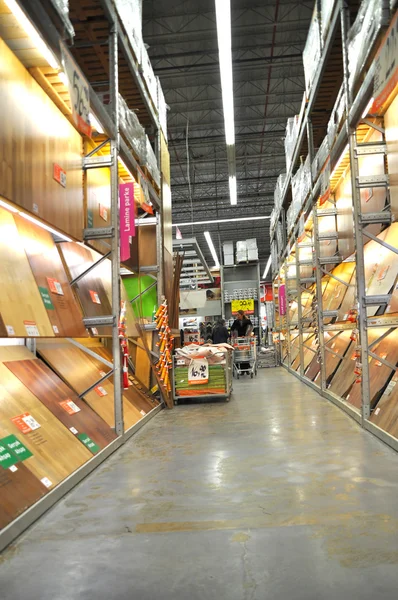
x: 337, y: 333
x: 111, y: 67
x: 241, y: 278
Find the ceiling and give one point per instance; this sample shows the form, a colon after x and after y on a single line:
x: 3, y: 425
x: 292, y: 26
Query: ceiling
x: 267, y: 43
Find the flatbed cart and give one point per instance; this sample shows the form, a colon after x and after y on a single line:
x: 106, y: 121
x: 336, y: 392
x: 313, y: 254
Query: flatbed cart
x: 245, y: 356
x: 179, y: 372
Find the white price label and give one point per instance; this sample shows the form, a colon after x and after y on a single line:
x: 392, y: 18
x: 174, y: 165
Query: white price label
x: 73, y: 430
x: 30, y: 422
x: 143, y: 412
x: 10, y: 330
x: 78, y: 92
x: 46, y: 482
x: 31, y: 329
x: 13, y: 468
x: 55, y: 328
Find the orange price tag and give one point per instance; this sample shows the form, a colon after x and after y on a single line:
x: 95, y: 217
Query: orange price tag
x: 55, y: 286
x: 94, y: 297
x: 25, y: 423
x: 70, y: 407
x: 101, y: 391
x: 103, y: 211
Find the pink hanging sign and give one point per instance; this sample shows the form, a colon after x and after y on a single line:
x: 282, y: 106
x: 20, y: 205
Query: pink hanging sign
x: 127, y: 218
x: 282, y: 299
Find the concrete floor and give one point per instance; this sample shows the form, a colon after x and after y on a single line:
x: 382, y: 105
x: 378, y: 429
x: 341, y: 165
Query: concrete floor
x: 276, y: 495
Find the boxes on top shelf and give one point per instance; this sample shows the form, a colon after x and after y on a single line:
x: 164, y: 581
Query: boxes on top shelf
x: 361, y: 38
x: 241, y: 246
x: 229, y: 260
x: 149, y: 75
x: 320, y: 158
x: 228, y: 247
x: 280, y: 238
x: 301, y: 185
x: 151, y: 162
x: 336, y: 117
x: 251, y: 244
x: 292, y: 131
x: 130, y: 13
x: 133, y: 130
x: 252, y: 254
x: 162, y: 107
x: 312, y: 50
x: 327, y: 7
x: 280, y: 184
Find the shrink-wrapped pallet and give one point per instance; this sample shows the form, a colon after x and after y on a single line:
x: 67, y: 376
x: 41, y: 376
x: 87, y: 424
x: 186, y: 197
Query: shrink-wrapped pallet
x: 149, y: 75
x: 301, y: 185
x: 130, y: 13
x: 312, y: 50
x: 336, y: 117
x: 132, y: 129
x: 151, y: 162
x: 326, y: 14
x: 280, y: 184
x: 292, y: 131
x: 162, y: 108
x: 320, y: 158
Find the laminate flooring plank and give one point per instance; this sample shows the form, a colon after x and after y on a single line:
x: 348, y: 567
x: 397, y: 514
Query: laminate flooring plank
x: 381, y: 265
x: 64, y: 312
x: 378, y: 372
x: 53, y: 393
x: 90, y: 289
x: 345, y: 223
x: 143, y: 368
x: 391, y: 128
x: 19, y: 489
x: 308, y: 343
x: 56, y: 452
x: 338, y: 343
x: 21, y: 307
x: 335, y: 291
x: 348, y: 302
x: 78, y: 371
x: 385, y: 414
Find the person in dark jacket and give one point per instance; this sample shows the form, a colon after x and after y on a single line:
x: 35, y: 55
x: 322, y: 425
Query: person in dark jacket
x: 242, y: 326
x: 220, y: 332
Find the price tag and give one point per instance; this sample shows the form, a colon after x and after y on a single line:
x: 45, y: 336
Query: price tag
x: 25, y: 423
x: 10, y: 330
x: 16, y: 448
x: 383, y: 355
x: 377, y: 411
x: 102, y: 373
x: 88, y: 442
x: 94, y: 297
x: 70, y: 407
x: 103, y: 211
x: 78, y: 92
x: 45, y: 296
x: 55, y: 286
x: 45, y: 481
x: 198, y: 371
x: 55, y: 329
x: 143, y: 412
x: 31, y: 329
x: 101, y: 391
x: 7, y: 458
x: 59, y: 175
x: 13, y: 468
x: 73, y: 430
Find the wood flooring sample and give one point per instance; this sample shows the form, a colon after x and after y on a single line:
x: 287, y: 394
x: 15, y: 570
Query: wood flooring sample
x: 381, y: 265
x: 19, y: 489
x: 56, y: 451
x: 69, y: 409
x: 62, y: 308
x: 21, y: 306
x: 385, y: 414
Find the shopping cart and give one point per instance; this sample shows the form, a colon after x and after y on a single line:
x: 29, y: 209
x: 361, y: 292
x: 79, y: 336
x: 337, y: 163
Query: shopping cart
x: 245, y: 356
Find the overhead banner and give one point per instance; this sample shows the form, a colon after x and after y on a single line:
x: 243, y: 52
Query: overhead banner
x: 78, y: 91
x: 386, y: 69
x: 127, y: 218
x: 246, y: 305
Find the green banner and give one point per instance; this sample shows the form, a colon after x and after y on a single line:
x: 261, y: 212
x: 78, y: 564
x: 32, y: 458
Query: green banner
x: 7, y: 458
x: 16, y: 447
x: 45, y: 296
x: 88, y: 442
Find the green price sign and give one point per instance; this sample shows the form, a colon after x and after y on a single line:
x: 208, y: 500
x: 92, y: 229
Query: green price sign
x: 15, y: 448
x: 88, y: 442
x: 45, y: 296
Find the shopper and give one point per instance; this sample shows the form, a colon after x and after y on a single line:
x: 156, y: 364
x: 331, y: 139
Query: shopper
x: 220, y: 332
x: 242, y: 326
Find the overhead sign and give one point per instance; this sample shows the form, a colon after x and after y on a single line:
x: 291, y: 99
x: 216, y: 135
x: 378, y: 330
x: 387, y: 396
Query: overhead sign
x: 386, y: 68
x: 78, y: 91
x: 246, y: 305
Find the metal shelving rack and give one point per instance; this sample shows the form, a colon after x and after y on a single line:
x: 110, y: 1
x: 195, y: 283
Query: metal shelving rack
x: 355, y: 105
x: 54, y: 29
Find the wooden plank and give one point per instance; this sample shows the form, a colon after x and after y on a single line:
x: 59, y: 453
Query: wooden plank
x: 381, y: 265
x: 65, y: 314
x: 391, y: 127
x: 19, y: 489
x: 349, y: 298
x: 56, y: 451
x: 91, y: 287
x: 52, y: 392
x: 385, y: 414
x: 78, y: 371
x: 34, y: 135
x: 143, y: 363
x: 20, y: 300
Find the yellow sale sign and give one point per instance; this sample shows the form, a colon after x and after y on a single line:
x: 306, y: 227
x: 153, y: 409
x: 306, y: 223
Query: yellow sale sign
x: 246, y: 305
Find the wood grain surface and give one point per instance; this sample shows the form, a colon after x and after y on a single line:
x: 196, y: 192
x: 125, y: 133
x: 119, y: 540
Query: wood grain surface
x: 378, y: 373
x: 349, y: 298
x: 51, y: 391
x: 338, y: 343
x: 20, y: 298
x: 77, y: 259
x: 385, y: 414
x: 66, y: 316
x: 34, y: 135
x: 308, y: 340
x: 391, y: 127
x: 76, y: 368
x: 335, y: 291
x: 56, y: 451
x: 381, y: 265
x: 18, y: 491
x: 143, y: 248
x: 143, y: 368
x: 345, y: 223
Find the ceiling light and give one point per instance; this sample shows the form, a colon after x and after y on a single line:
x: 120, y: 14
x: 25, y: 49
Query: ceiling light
x: 189, y: 223
x: 267, y: 268
x: 47, y: 227
x: 212, y: 249
x: 223, y: 17
x: 32, y: 33
x: 95, y: 123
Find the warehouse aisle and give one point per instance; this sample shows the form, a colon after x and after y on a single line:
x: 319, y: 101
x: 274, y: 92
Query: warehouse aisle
x: 276, y: 495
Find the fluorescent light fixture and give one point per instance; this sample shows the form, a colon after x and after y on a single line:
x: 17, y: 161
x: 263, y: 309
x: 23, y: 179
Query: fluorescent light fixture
x: 212, y: 249
x: 189, y: 223
x: 267, y: 268
x: 32, y: 33
x: 223, y: 18
x: 95, y: 123
x: 232, y: 190
x: 368, y: 107
x: 339, y: 161
x: 8, y: 207
x: 50, y: 229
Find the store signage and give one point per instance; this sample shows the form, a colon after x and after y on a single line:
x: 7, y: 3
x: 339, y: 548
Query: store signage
x: 78, y: 92
x: 45, y: 296
x: 59, y: 175
x: 198, y: 372
x: 386, y: 68
x: 70, y: 407
x: 94, y: 297
x: 16, y: 447
x: 55, y: 286
x: 127, y: 218
x: 282, y: 299
x: 88, y: 442
x: 244, y: 304
x: 101, y: 391
x: 26, y: 423
x: 7, y: 458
